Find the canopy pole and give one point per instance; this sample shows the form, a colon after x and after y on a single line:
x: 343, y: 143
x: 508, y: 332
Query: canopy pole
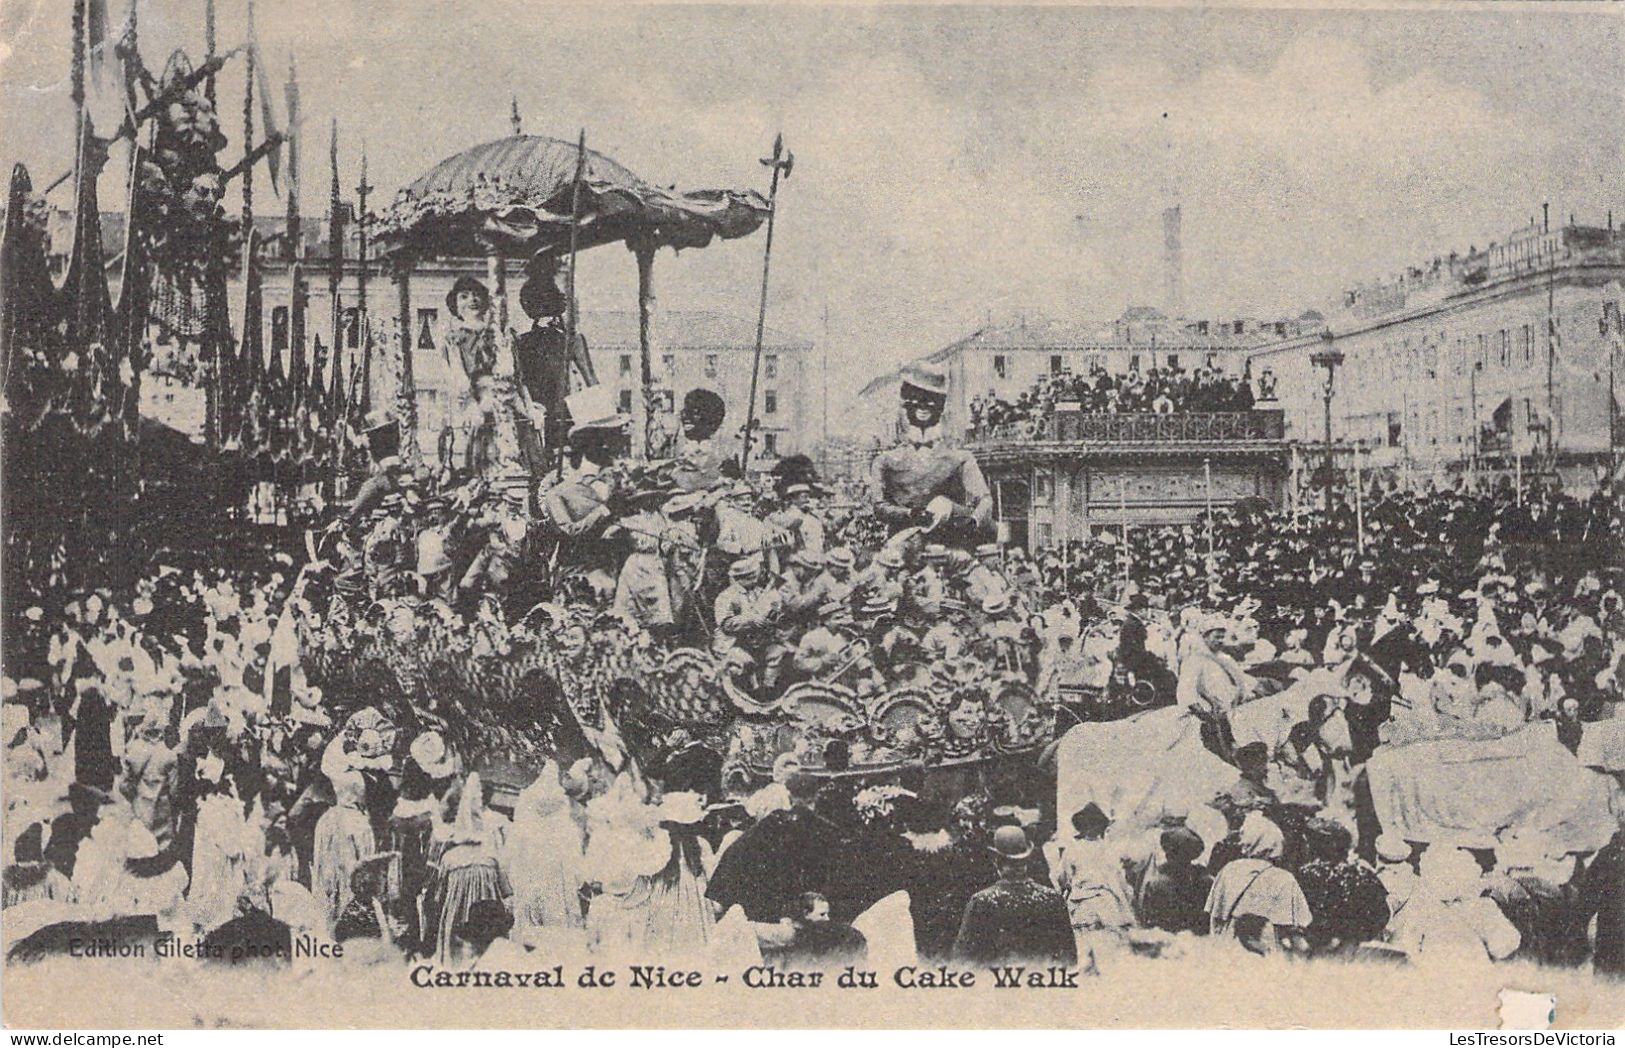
x: 781, y: 162
x: 645, y: 253
x: 570, y: 318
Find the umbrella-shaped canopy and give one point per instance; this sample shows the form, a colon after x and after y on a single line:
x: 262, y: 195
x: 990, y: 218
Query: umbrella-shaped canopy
x: 513, y: 196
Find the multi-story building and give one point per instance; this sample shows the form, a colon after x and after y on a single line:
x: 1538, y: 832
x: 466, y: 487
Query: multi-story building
x: 1460, y: 364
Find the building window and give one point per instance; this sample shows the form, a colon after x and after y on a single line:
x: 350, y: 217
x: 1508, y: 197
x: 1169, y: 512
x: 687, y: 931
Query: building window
x: 352, y: 328
x: 1134, y: 362
x: 279, y: 329
x: 770, y: 443
x: 669, y: 362
x: 770, y: 365
x: 626, y: 402
x: 1173, y: 362
x: 626, y: 363
x: 1481, y: 360
x: 1505, y: 347
x: 770, y: 403
x: 664, y: 401
x: 1001, y: 366
x: 426, y: 322
x: 710, y: 365
x: 1055, y: 364
x: 1528, y: 346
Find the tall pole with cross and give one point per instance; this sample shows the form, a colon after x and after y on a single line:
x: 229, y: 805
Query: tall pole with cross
x: 781, y: 161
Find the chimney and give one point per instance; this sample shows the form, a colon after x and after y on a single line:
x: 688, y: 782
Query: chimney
x: 1173, y: 264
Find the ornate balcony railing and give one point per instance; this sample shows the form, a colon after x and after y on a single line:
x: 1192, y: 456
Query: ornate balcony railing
x: 1138, y: 428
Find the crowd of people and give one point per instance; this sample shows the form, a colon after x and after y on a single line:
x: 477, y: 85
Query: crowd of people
x: 170, y: 760
x: 174, y: 765
x: 1159, y: 390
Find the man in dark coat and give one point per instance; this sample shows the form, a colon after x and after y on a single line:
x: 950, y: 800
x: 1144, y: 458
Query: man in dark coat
x: 1017, y: 919
x: 785, y: 855
x: 1602, y: 892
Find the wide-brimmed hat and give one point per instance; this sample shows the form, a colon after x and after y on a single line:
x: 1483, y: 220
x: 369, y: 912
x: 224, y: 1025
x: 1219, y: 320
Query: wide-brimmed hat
x: 934, y: 553
x: 988, y: 549
x: 802, y: 558
x: 1011, y: 843
x: 840, y: 557
x: 874, y: 605
x: 683, y: 808
x: 593, y: 408
x: 925, y: 377
x: 430, y: 752
x: 996, y: 603
x: 746, y: 567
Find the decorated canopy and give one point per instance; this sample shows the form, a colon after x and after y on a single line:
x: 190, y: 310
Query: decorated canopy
x: 513, y: 196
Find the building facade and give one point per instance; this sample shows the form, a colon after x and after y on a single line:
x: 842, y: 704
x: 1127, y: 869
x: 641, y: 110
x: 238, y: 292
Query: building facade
x: 1455, y: 367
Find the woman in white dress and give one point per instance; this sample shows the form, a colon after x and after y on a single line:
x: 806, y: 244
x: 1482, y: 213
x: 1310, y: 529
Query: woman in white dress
x: 344, y: 837
x: 220, y: 846
x: 681, y: 919
x: 544, y: 858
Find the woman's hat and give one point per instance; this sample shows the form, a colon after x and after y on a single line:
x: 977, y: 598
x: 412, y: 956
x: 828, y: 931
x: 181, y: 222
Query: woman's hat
x: 430, y: 752
x: 683, y: 808
x: 1010, y: 843
x: 593, y: 408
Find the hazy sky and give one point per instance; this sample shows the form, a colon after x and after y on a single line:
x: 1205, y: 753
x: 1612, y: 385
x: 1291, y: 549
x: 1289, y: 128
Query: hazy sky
x: 952, y: 160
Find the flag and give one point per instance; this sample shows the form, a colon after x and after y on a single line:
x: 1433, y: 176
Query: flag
x: 273, y: 159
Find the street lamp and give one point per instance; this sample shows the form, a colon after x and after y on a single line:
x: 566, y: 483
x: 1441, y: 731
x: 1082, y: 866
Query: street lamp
x: 1472, y: 378
x: 1328, y: 356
